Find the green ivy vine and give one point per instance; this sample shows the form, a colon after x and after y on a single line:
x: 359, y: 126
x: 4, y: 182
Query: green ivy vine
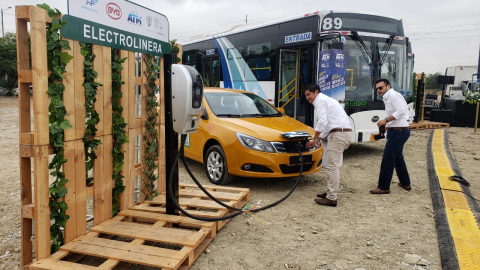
x: 151, y: 135
x: 176, y: 50
x: 118, y: 128
x: 57, y: 61
x: 90, y: 143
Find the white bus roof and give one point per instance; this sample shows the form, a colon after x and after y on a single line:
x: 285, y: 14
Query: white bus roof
x: 244, y: 28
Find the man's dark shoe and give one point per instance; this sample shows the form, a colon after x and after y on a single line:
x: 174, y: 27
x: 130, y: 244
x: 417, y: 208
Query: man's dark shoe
x: 326, y: 202
x: 407, y: 188
x: 323, y: 195
x: 380, y: 191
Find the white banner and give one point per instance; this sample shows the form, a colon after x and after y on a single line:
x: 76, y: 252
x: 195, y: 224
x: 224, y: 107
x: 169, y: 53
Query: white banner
x: 123, y: 15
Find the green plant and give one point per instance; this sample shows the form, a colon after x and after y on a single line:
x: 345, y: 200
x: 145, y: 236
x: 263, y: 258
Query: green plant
x: 175, y: 50
x: 118, y: 129
x: 57, y: 61
x: 90, y: 143
x: 472, y: 97
x: 151, y: 135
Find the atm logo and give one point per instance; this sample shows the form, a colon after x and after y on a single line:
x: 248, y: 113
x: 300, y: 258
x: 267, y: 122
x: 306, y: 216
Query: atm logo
x: 114, y: 11
x: 133, y: 18
x: 91, y: 2
x: 326, y: 57
x: 340, y: 56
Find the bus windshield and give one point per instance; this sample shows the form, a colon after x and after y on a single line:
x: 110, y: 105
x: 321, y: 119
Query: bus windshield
x: 394, y: 65
x: 358, y: 77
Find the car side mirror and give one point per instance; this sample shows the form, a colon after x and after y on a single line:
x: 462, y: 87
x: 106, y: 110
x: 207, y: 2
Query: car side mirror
x: 204, y: 114
x: 282, y: 110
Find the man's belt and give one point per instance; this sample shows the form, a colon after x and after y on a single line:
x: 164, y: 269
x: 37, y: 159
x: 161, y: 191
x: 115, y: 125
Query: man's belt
x: 398, y: 128
x: 341, y: 130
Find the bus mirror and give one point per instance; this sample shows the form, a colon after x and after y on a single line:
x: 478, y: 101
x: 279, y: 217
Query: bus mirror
x: 282, y: 110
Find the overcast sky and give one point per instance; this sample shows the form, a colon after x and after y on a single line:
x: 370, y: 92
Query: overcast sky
x: 443, y: 33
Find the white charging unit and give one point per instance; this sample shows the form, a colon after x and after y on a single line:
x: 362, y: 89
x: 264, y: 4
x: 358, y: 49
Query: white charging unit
x: 187, y: 95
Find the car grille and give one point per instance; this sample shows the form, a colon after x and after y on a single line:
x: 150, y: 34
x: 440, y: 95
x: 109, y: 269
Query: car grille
x: 289, y: 146
x: 295, y: 169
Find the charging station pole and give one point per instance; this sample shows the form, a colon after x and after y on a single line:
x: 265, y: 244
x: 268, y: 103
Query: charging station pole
x: 171, y: 137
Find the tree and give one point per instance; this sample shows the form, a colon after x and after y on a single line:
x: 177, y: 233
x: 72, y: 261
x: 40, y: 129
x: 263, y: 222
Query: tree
x: 430, y: 83
x: 8, y: 63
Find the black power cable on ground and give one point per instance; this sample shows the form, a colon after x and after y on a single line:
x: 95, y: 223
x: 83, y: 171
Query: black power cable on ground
x: 239, y: 211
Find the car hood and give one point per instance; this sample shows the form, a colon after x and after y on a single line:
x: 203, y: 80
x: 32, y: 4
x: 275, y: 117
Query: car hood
x: 267, y: 128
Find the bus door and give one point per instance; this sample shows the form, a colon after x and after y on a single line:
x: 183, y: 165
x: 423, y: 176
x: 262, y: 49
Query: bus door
x: 211, y: 72
x: 288, y: 81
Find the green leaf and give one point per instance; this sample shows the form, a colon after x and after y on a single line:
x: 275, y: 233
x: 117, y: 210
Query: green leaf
x: 65, y: 57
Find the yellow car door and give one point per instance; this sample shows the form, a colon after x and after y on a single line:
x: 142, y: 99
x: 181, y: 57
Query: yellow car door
x: 195, y: 141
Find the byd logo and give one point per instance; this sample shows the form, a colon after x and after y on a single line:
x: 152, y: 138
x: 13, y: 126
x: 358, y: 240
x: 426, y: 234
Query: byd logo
x: 114, y: 11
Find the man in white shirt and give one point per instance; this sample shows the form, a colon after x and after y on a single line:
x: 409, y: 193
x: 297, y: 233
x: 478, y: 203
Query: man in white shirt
x: 398, y: 132
x: 332, y: 121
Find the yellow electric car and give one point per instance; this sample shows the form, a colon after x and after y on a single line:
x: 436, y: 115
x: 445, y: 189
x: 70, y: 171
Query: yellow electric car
x: 239, y: 135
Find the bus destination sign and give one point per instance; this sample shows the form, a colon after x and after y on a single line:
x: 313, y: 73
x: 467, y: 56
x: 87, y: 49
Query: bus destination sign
x: 298, y: 37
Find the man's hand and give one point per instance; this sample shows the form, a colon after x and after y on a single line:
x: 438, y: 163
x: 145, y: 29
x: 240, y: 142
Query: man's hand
x: 381, y: 123
x: 312, y: 143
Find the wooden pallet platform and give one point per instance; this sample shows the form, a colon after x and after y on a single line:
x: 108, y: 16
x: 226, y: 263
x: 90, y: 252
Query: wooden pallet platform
x: 191, y: 198
x: 145, y: 235
x: 428, y: 125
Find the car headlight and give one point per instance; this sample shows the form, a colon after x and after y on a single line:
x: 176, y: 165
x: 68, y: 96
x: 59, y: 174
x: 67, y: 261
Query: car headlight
x: 254, y: 143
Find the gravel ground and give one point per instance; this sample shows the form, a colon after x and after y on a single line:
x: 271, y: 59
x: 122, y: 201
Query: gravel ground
x: 363, y: 232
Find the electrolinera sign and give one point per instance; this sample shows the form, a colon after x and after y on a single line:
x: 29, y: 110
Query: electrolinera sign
x: 118, y: 24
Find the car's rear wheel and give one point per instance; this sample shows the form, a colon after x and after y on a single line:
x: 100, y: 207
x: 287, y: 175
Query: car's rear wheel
x: 216, y: 166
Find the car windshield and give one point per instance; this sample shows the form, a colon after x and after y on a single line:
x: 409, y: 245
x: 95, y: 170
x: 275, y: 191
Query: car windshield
x: 236, y: 104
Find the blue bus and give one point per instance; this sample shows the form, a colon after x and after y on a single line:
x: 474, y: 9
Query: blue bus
x: 276, y: 60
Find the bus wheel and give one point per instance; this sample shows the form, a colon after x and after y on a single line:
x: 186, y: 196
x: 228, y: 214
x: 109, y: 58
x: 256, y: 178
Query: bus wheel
x: 216, y: 166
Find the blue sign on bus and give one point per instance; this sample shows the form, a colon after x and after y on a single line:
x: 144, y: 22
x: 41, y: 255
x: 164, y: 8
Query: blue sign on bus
x: 298, y: 37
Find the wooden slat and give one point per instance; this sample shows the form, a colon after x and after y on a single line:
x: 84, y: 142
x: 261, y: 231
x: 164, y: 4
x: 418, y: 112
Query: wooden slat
x: 121, y: 251
x: 98, y: 67
x: 80, y: 188
x: 195, y: 202
x: 27, y: 225
x: 131, y: 89
x: 107, y: 181
x: 70, y: 198
x: 163, y: 210
x: 123, y: 200
x: 25, y: 76
x: 133, y: 247
x: 214, y: 188
x: 50, y: 264
x: 23, y: 64
x: 98, y: 174
x: 68, y: 101
x: 146, y: 232
x: 42, y: 208
x: 107, y: 90
x: 186, y: 221
x: 39, y: 75
x: 79, y: 97
x: 217, y: 194
x: 28, y: 211
x: 130, y: 179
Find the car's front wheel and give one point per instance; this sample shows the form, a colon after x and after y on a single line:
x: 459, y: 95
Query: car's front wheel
x: 216, y: 166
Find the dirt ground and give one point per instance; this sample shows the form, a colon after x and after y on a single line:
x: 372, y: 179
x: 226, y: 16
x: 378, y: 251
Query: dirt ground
x: 363, y: 232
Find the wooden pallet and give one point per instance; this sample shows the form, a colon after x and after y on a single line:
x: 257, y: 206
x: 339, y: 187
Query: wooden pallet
x: 191, y: 198
x: 428, y: 125
x: 159, y: 240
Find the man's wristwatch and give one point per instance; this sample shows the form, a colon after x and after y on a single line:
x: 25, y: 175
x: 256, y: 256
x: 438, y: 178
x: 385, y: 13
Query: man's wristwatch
x: 386, y: 119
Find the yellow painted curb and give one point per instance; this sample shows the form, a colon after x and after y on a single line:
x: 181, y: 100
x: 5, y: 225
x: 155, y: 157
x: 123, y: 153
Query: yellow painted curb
x: 461, y: 220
